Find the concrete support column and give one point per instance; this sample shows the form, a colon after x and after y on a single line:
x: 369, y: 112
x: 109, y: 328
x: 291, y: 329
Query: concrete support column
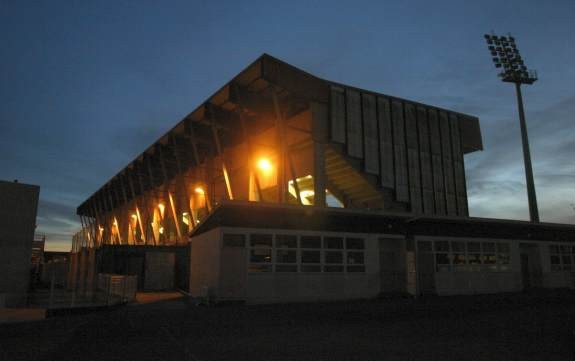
x: 319, y: 136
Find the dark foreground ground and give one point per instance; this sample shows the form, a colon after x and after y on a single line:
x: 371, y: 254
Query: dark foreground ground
x: 536, y: 326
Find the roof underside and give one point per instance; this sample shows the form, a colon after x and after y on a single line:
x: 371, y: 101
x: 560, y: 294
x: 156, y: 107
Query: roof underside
x: 249, y: 94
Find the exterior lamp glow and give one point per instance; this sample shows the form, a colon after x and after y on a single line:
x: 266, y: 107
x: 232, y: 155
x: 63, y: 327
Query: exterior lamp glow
x: 134, y: 216
x: 264, y: 165
x: 162, y: 207
x: 199, y: 190
x: 161, y: 230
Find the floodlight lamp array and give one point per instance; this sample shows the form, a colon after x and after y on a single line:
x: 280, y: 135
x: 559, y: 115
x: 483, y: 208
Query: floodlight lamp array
x: 506, y: 56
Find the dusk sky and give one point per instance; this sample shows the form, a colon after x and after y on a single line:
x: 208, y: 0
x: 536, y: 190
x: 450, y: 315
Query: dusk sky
x: 86, y: 86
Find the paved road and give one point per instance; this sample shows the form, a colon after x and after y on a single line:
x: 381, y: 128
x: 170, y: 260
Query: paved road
x: 513, y: 327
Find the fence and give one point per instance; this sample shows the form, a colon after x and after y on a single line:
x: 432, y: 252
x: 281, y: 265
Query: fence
x: 113, y: 288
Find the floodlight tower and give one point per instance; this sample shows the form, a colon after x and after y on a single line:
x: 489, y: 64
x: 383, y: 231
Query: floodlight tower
x: 506, y: 56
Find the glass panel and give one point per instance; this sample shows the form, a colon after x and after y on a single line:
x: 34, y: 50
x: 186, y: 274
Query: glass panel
x: 310, y: 242
x: 489, y: 258
x: 553, y: 249
x: 555, y: 259
x: 441, y: 246
x: 264, y: 240
x: 503, y: 247
x: 285, y: 256
x: 424, y: 246
x: 333, y: 242
x: 333, y: 268
x: 286, y: 268
x: 564, y: 249
x: 458, y: 258
x: 333, y: 257
x: 474, y: 258
x: 256, y: 268
x: 488, y: 247
x: 311, y: 268
x: 234, y: 240
x: 310, y: 256
x: 566, y: 259
x: 473, y: 247
x: 286, y: 241
x: 442, y: 258
x: 356, y: 268
x: 503, y: 258
x: 354, y: 257
x: 354, y: 243
x: 458, y: 246
x: 261, y: 255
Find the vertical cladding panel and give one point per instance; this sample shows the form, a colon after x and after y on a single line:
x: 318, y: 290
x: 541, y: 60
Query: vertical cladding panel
x: 337, y: 108
x: 399, y: 152
x: 425, y: 160
x: 371, y: 154
x: 459, y: 171
x: 387, y: 173
x: 448, y: 177
x: 354, y: 124
x: 436, y: 162
x: 413, y: 158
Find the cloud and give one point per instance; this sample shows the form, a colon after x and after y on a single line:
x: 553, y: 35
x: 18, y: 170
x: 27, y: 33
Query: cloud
x: 496, y: 178
x: 58, y: 221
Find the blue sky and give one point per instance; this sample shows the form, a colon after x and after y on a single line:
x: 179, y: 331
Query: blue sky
x: 85, y: 86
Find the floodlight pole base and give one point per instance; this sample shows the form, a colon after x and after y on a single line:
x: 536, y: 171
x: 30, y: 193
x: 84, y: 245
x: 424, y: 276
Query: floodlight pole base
x: 532, y: 197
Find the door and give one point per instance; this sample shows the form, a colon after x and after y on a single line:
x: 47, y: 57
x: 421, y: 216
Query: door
x: 392, y: 263
x: 525, y: 273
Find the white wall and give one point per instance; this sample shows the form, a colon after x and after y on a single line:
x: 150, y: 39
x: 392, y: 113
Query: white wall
x: 205, y: 263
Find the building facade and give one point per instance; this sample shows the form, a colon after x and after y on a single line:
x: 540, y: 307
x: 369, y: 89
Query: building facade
x: 18, y: 208
x: 341, y: 162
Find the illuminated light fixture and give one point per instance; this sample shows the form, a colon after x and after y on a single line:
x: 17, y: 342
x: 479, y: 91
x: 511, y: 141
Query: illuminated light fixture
x: 306, y: 193
x: 185, y: 218
x: 198, y: 221
x: 199, y: 190
x: 101, y: 229
x: 161, y: 230
x: 115, y: 222
x: 264, y: 164
x: 162, y: 207
x: 134, y: 216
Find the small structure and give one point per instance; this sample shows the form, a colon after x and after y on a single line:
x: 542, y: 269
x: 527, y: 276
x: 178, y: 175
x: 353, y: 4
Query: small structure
x: 18, y: 208
x: 286, y: 187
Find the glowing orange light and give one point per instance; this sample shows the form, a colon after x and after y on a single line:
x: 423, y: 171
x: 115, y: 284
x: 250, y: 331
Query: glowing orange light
x: 264, y: 164
x: 199, y: 190
x: 162, y: 207
x: 134, y: 216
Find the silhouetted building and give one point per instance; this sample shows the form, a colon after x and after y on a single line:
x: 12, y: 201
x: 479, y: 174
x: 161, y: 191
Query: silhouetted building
x: 18, y: 208
x: 283, y: 186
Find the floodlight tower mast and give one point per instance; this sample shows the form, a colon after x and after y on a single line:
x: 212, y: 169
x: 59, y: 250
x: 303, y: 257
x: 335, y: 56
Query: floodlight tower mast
x: 506, y: 55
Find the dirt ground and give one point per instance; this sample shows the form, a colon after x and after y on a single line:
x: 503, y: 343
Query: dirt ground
x: 535, y: 326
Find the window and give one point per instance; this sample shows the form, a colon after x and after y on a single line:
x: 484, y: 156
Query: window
x: 310, y: 253
x: 310, y: 242
x: 442, y: 263
x: 333, y: 242
x: 354, y: 243
x: 470, y: 255
x: 292, y: 253
x: 260, y: 253
x: 561, y: 258
x: 458, y: 257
